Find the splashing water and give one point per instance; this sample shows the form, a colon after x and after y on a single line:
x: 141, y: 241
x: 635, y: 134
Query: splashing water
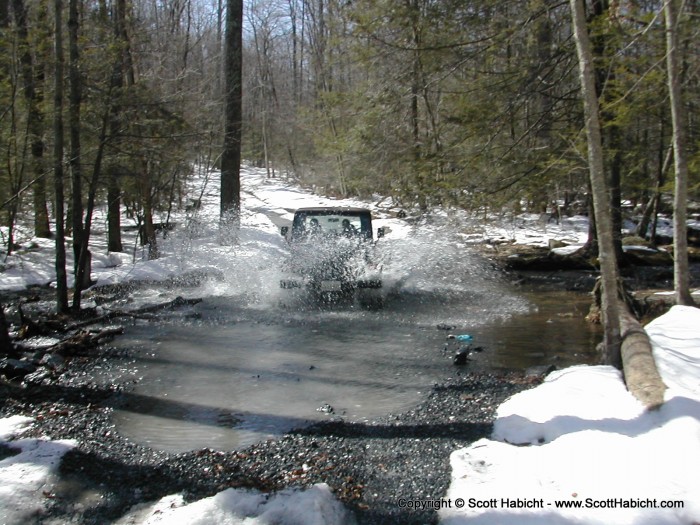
x: 249, y: 365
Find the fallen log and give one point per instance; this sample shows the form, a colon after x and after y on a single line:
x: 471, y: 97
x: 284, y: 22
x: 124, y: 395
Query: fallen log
x: 638, y: 365
x: 641, y: 376
x: 84, y: 340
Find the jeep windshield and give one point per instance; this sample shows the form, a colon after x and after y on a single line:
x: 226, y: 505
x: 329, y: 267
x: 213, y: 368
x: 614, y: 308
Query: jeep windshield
x: 313, y: 223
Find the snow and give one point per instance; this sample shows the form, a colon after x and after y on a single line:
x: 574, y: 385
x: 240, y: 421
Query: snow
x: 314, y: 506
x: 580, y: 437
x: 25, y: 477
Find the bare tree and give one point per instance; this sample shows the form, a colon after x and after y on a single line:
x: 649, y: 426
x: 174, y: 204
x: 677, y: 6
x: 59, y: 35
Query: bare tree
x: 75, y: 160
x: 231, y: 155
x: 61, y: 278
x: 680, y: 204
x: 601, y: 200
x: 33, y: 78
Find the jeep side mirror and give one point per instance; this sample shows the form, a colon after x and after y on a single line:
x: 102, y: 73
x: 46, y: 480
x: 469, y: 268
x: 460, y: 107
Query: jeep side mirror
x: 284, y: 230
x: 380, y: 233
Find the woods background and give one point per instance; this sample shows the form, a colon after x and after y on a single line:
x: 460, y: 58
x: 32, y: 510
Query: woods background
x: 449, y: 102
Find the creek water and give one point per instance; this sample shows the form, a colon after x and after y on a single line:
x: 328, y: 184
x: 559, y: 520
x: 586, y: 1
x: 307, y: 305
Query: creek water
x: 245, y: 365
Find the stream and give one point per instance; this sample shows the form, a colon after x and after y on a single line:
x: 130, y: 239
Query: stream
x: 245, y: 365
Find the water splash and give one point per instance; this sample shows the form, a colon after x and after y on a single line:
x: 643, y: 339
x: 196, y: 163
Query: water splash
x: 433, y: 275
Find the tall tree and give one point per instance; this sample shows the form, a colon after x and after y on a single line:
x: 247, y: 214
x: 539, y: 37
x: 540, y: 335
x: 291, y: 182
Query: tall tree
x: 680, y: 204
x: 601, y: 200
x: 231, y: 155
x: 4, y: 13
x: 122, y: 73
x: 603, y: 48
x: 33, y: 78
x: 109, y: 124
x: 61, y: 278
x: 74, y: 101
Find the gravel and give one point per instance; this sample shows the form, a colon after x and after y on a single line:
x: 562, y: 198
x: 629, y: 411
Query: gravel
x: 369, y: 466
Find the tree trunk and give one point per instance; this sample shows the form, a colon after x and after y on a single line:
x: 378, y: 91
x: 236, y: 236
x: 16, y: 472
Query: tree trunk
x: 122, y: 72
x: 41, y: 182
x: 148, y: 230
x: 82, y: 277
x: 14, y: 189
x: 295, y: 52
x: 74, y: 98
x: 231, y: 155
x: 651, y: 208
x: 6, y: 348
x: 114, y: 235
x: 680, y: 196
x: 610, y: 129
x: 590, y: 248
x: 641, y: 375
x: 122, y: 36
x: 33, y: 77
x: 601, y: 199
x: 61, y: 278
x: 615, y: 143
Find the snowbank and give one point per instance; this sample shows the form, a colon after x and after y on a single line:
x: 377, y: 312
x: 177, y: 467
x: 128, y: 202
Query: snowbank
x: 25, y: 478
x: 593, y: 455
x: 315, y: 506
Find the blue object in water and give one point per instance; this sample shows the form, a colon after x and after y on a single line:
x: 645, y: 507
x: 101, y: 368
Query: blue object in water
x: 464, y: 338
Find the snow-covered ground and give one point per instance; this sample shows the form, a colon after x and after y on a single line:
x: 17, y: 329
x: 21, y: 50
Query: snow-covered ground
x: 578, y: 439
x: 196, y: 244
x: 581, y: 439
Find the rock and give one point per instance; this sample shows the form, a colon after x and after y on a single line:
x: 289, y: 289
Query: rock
x: 325, y: 408
x: 634, y: 240
x: 554, y: 243
x: 461, y: 357
x: 539, y: 371
x: 544, y: 260
x: 52, y: 361
x: 15, y: 369
x: 642, y: 253
x: 37, y: 377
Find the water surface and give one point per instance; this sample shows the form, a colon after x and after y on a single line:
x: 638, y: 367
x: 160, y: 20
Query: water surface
x: 252, y: 361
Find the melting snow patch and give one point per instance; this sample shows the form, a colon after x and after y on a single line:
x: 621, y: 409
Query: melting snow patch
x: 313, y: 506
x: 26, y: 476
